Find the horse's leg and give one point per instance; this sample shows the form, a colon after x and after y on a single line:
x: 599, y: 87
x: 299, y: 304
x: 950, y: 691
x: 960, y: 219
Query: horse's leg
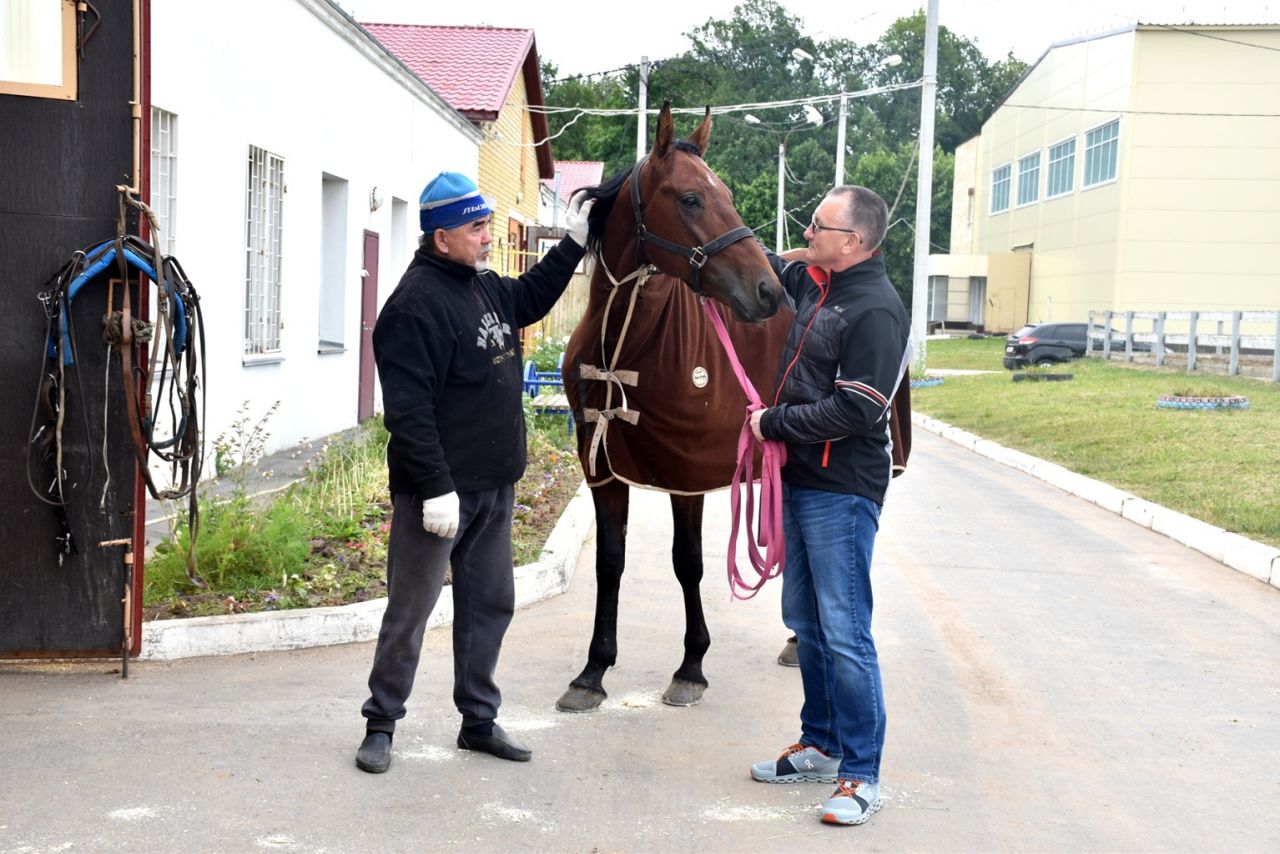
x: 688, y: 683
x: 587, y: 691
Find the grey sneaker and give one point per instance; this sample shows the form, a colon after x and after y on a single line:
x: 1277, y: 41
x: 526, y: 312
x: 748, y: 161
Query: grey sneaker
x: 852, y: 802
x: 798, y: 763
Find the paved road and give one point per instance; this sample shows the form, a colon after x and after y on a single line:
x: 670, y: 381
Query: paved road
x: 1057, y: 679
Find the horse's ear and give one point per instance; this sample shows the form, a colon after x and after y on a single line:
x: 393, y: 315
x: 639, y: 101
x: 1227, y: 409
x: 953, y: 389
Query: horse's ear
x: 662, y: 142
x: 700, y: 136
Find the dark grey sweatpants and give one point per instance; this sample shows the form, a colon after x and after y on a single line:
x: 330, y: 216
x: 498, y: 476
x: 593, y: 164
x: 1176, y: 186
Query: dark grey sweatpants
x: 483, y: 602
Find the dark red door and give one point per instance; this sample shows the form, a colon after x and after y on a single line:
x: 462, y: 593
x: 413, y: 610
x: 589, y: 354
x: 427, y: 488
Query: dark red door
x: 368, y: 314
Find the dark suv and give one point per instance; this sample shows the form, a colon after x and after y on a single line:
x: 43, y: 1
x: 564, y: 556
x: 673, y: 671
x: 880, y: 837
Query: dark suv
x: 1044, y: 344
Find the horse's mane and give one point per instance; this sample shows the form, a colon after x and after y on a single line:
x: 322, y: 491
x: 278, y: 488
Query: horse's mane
x: 606, y: 194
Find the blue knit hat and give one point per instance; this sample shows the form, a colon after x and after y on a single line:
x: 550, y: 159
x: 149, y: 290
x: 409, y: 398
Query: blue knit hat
x: 450, y: 200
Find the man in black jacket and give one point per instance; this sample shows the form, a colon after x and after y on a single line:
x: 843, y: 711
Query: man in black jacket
x: 844, y: 358
x: 448, y: 354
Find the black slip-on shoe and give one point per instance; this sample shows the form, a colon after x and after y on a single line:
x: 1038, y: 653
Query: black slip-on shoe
x: 374, y: 754
x: 498, y: 744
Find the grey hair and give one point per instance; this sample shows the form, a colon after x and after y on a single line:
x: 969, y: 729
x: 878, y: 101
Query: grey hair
x: 866, y: 211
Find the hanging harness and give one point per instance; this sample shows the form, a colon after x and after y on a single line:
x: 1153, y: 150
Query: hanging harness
x: 177, y: 339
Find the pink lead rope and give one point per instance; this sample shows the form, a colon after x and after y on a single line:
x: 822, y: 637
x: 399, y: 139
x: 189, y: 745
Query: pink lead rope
x: 773, y: 455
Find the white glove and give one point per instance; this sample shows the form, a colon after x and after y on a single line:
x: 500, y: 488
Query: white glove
x: 440, y: 515
x: 575, y: 219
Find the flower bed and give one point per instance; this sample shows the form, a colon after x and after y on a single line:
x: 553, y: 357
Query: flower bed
x: 1182, y: 401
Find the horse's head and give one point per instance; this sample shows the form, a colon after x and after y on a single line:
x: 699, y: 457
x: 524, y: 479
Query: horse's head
x: 684, y: 223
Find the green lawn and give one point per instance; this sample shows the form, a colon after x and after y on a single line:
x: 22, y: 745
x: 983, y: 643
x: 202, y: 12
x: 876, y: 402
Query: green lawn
x: 1218, y: 466
x: 980, y: 354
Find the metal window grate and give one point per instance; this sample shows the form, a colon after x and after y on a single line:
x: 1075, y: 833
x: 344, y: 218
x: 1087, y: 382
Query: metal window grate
x: 264, y: 204
x: 164, y: 170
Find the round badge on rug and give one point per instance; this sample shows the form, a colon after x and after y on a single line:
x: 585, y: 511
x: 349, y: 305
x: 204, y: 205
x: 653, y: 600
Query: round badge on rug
x: 700, y: 377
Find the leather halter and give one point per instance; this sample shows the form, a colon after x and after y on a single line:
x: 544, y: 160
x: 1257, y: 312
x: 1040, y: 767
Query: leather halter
x: 697, y: 255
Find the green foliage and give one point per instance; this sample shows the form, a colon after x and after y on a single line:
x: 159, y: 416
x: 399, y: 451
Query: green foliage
x: 545, y: 352
x: 261, y: 545
x: 748, y: 58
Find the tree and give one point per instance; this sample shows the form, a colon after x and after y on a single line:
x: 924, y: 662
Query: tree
x: 969, y: 87
x: 892, y: 173
x: 748, y: 58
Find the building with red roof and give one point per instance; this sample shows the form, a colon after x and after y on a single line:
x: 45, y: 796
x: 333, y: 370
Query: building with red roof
x: 491, y: 76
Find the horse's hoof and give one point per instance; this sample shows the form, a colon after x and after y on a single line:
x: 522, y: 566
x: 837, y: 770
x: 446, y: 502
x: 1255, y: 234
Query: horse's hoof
x: 579, y: 700
x: 790, y: 655
x: 681, y: 692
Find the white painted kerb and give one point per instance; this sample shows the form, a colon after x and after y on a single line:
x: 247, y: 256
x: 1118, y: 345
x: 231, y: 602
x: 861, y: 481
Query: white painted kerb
x: 271, y: 631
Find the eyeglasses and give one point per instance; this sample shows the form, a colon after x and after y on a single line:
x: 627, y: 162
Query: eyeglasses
x: 817, y: 227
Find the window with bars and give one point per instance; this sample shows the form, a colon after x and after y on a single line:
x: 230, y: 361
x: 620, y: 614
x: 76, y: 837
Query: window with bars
x: 1029, y: 179
x: 1101, y: 149
x: 1061, y: 177
x: 264, y: 207
x: 164, y: 171
x: 1001, y: 178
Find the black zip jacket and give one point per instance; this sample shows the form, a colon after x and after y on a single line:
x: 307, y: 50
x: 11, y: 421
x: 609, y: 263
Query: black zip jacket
x: 843, y: 360
x: 447, y: 347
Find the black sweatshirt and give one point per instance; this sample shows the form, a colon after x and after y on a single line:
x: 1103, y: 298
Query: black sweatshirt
x: 843, y: 360
x: 448, y: 352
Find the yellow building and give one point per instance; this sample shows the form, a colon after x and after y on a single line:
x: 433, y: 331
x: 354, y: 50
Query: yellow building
x: 1135, y: 170
x: 491, y: 76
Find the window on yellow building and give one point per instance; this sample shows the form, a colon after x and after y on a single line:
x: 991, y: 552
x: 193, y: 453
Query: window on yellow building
x: 1061, y: 178
x: 1001, y: 178
x: 1029, y: 178
x: 1101, y: 151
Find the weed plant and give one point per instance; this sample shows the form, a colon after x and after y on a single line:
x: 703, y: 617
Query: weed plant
x: 273, y: 547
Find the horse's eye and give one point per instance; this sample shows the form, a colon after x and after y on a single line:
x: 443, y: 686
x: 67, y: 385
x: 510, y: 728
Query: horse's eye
x: 690, y: 200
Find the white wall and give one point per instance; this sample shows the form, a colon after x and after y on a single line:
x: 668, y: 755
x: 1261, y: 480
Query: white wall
x: 297, y: 78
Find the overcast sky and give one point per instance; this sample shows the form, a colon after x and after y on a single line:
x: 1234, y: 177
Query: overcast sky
x: 581, y: 38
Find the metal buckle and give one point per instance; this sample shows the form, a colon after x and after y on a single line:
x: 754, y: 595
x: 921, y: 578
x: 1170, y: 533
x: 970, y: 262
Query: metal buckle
x: 697, y: 258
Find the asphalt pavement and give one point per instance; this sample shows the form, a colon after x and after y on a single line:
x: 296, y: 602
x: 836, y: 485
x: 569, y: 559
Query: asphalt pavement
x: 1057, y: 679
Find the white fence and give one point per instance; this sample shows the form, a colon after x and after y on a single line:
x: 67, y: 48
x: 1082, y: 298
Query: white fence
x: 1212, y: 340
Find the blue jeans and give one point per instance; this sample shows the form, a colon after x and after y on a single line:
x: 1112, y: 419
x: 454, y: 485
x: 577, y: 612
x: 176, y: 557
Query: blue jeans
x: 826, y: 601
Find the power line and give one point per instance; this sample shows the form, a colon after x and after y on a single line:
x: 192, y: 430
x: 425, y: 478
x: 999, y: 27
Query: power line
x: 1146, y: 112
x: 734, y: 108
x: 1190, y: 32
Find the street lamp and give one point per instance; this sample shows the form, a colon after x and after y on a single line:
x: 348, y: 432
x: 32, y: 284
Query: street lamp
x: 813, y: 117
x: 891, y: 61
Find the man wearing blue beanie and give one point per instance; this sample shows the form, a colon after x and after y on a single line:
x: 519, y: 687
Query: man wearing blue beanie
x: 448, y: 353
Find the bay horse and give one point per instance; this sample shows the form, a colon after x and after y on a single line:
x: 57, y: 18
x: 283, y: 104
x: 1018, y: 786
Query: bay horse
x: 655, y: 400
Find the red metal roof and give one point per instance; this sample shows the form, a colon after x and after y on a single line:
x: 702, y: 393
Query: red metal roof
x: 575, y: 174
x: 473, y: 69
x: 470, y: 67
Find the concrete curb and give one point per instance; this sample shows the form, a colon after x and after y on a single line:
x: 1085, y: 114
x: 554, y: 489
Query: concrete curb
x: 271, y: 631
x: 1240, y: 553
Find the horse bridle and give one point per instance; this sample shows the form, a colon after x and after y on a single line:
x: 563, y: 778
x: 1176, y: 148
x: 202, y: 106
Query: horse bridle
x: 697, y: 255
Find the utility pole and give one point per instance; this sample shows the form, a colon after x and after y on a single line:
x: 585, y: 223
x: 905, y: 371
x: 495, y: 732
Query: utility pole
x: 844, y: 114
x: 642, y: 119
x: 782, y: 212
x: 924, y: 189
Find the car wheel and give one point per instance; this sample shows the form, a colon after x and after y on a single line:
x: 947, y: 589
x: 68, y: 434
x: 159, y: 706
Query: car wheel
x: 1045, y: 363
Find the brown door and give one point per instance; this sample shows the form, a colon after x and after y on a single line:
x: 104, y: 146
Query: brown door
x: 368, y: 315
